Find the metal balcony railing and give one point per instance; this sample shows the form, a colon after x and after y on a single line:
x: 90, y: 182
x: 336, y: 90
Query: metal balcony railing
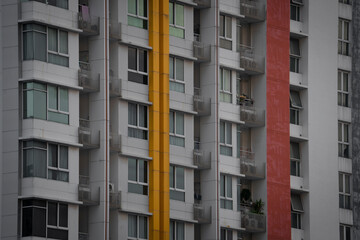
x: 253, y: 11
x: 89, y: 24
x: 115, y: 30
x: 86, y: 136
x: 202, y: 214
x: 201, y: 159
x: 203, y: 3
x: 201, y: 51
x: 115, y: 200
x: 84, y: 192
x: 115, y: 86
x: 115, y: 142
x: 201, y: 105
x: 252, y: 116
x: 85, y: 78
x: 251, y: 169
x: 252, y: 222
x: 249, y: 61
x: 246, y: 154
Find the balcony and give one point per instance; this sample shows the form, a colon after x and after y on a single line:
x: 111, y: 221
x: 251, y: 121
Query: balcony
x: 250, y: 168
x: 84, y: 192
x: 252, y: 222
x: 115, y: 200
x: 201, y: 159
x: 202, y: 214
x: 252, y: 11
x: 115, y: 142
x: 89, y: 25
x: 115, y: 86
x: 86, y: 81
x: 83, y: 236
x: 249, y: 61
x: 87, y: 138
x: 201, y: 106
x: 252, y: 116
x: 203, y: 3
x: 201, y: 51
x: 115, y: 31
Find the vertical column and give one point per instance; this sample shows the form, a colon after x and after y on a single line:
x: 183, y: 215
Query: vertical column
x: 159, y: 199
x: 277, y: 99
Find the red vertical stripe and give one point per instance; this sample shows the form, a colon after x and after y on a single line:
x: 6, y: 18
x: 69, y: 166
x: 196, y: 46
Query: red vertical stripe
x: 277, y: 98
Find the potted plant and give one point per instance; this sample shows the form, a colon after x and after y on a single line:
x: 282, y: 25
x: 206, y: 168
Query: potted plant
x: 257, y: 207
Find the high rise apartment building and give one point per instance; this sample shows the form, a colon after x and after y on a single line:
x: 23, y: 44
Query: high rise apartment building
x: 180, y: 119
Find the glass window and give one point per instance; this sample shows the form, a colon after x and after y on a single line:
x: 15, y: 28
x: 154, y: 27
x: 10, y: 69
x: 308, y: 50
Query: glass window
x: 176, y: 20
x: 344, y: 37
x: 294, y: 55
x: 296, y: 211
x: 137, y: 13
x: 226, y: 199
x: 177, y: 183
x: 137, y: 121
x: 346, y: 1
x: 295, y: 107
x: 177, y: 75
x: 294, y: 159
x: 343, y: 88
x: 345, y: 232
x: 344, y: 191
x: 226, y: 32
x: 138, y: 176
x: 177, y: 230
x: 343, y: 140
x: 137, y: 65
x: 226, y: 234
x: 177, y: 129
x: 225, y: 138
x: 225, y: 85
x: 137, y: 227
x: 295, y: 10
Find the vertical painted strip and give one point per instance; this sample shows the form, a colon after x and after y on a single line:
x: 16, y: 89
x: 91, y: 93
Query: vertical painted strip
x: 159, y: 197
x: 278, y: 136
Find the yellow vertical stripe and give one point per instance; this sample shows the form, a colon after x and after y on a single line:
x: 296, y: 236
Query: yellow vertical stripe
x: 159, y: 198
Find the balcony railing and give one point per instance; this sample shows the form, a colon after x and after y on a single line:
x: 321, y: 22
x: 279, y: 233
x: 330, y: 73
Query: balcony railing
x: 87, y: 138
x: 89, y: 25
x: 115, y: 86
x: 202, y: 214
x: 252, y: 169
x: 115, y: 30
x: 246, y: 154
x: 115, y: 200
x: 115, y: 142
x: 252, y: 222
x: 201, y: 105
x: 201, y: 159
x: 83, y: 236
x: 252, y: 116
x: 203, y: 3
x: 84, y: 192
x: 85, y: 78
x: 249, y: 61
x: 252, y: 10
x: 201, y: 51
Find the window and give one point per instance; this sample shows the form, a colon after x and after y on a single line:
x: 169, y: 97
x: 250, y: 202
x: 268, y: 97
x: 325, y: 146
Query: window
x: 226, y: 199
x: 343, y: 88
x: 35, y: 39
x: 45, y: 160
x: 225, y: 85
x: 226, y: 234
x: 177, y: 75
x: 56, y: 3
x: 343, y: 140
x: 294, y: 55
x: 294, y: 159
x: 344, y: 37
x: 177, y: 133
x: 138, y: 176
x: 44, y: 219
x: 176, y: 20
x: 225, y: 138
x: 137, y: 65
x: 137, y: 119
x: 243, y: 90
x: 226, y: 32
x: 177, y: 183
x: 346, y: 1
x: 344, y: 191
x: 47, y: 102
x: 177, y: 230
x: 137, y: 13
x: 137, y: 227
x: 296, y: 211
x: 295, y: 10
x: 345, y: 232
x: 295, y: 107
x: 243, y: 138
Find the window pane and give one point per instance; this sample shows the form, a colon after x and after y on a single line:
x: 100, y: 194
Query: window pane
x: 171, y: 13
x: 340, y: 29
x: 341, y: 184
x: 346, y: 133
x: 294, y: 150
x: 132, y: 6
x: 222, y: 132
x: 40, y: 46
x: 143, y: 116
x: 171, y: 61
x: 346, y: 31
x: 63, y: 42
x: 132, y: 169
x: 39, y: 222
x: 228, y: 26
x: 64, y: 100
x: 294, y: 47
x: 132, y: 114
x: 63, y: 157
x: 52, y: 213
x: 180, y: 231
x: 179, y: 15
x: 348, y: 234
x: 222, y: 185
x: 142, y: 8
x: 132, y: 226
x: 295, y: 99
x: 142, y: 171
x: 57, y: 234
x: 52, y: 39
x: 172, y: 129
x: 28, y: 104
x: 142, y: 60
x: 229, y: 186
x: 39, y: 105
x: 172, y: 232
x: 172, y: 176
x: 177, y: 32
x: 58, y: 117
x: 53, y: 97
x: 63, y: 215
x: 347, y: 184
x: 179, y: 69
x: 229, y: 133
x: 296, y: 202
x: 227, y: 80
x: 142, y: 227
x: 179, y: 123
x: 132, y: 61
x: 53, y: 155
x: 28, y: 45
x: 137, y: 22
x: 180, y: 182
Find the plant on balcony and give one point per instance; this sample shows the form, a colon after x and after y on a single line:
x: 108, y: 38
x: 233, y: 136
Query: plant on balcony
x: 257, y: 207
x: 243, y: 99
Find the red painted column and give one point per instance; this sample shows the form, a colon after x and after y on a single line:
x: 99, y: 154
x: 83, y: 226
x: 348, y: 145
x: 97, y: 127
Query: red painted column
x: 278, y: 136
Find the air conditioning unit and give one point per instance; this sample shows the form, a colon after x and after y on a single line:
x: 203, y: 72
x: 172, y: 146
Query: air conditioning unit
x: 84, y: 136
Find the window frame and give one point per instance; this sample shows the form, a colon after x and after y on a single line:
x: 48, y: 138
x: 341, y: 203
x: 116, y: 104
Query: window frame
x: 294, y: 107
x: 175, y: 180
x: 343, y: 95
x: 346, y: 228
x: 137, y: 126
x: 223, y: 91
x: 175, y: 229
x: 137, y: 71
x: 342, y: 143
x: 138, y: 228
x: 348, y: 2
x: 226, y: 145
x: 226, y: 231
x: 138, y: 182
x: 342, y: 38
x: 137, y: 12
x: 175, y: 25
x: 226, y: 198
x: 174, y: 80
x: 297, y: 6
x: 296, y: 58
x: 175, y: 134
x: 342, y: 190
x: 223, y: 33
x: 296, y: 161
x: 296, y: 213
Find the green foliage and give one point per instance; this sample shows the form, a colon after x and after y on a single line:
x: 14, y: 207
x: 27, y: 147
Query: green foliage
x: 258, y: 207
